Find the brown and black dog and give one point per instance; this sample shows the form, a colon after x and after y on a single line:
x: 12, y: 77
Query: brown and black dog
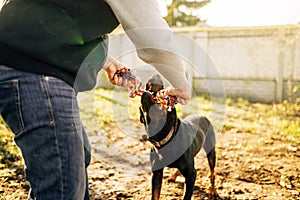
x: 175, y: 142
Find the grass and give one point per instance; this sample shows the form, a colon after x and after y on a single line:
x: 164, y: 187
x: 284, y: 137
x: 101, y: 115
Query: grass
x: 10, y: 155
x: 100, y: 108
x: 282, y: 118
x: 11, y: 166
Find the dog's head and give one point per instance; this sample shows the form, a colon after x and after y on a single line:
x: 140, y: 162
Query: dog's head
x: 154, y: 84
x: 154, y: 116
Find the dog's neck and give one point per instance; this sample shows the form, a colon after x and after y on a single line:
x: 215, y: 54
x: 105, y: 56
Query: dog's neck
x: 167, y: 132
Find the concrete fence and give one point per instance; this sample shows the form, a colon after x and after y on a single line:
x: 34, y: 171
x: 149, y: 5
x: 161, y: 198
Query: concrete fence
x: 261, y: 64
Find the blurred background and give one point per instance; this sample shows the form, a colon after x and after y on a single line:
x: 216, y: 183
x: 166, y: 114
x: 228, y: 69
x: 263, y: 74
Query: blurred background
x: 220, y: 13
x: 254, y: 45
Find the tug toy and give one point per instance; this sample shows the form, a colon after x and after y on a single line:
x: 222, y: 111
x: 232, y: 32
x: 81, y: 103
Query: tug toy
x: 136, y: 84
x: 135, y: 89
x: 169, y: 102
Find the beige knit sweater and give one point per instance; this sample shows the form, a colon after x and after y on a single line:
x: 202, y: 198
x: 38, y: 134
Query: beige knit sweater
x: 152, y: 37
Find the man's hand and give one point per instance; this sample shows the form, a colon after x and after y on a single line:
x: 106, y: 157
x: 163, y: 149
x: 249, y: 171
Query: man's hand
x: 183, y: 95
x: 111, y: 66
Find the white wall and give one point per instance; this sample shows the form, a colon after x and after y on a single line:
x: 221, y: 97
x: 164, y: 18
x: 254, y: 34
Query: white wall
x: 258, y: 63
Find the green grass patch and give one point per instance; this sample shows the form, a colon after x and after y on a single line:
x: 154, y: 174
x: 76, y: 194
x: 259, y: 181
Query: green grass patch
x: 10, y: 155
x: 11, y: 163
x: 100, y: 108
x: 278, y: 118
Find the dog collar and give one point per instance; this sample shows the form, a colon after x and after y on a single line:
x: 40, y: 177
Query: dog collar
x: 162, y: 142
x: 166, y: 139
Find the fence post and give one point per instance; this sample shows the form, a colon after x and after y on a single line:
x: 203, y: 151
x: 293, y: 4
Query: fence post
x: 280, y: 70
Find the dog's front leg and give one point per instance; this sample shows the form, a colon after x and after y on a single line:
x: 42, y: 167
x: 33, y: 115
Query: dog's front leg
x: 156, y: 183
x: 190, y: 178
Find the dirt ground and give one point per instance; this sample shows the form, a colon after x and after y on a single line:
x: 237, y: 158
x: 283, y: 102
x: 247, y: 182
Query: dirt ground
x: 249, y: 166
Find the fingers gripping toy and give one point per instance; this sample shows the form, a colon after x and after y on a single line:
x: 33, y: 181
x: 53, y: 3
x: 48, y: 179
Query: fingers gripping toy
x: 136, y: 90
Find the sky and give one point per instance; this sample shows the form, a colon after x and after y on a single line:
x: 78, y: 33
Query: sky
x: 250, y: 12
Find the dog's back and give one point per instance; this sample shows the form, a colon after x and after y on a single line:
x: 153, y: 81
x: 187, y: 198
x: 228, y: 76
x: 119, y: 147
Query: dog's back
x: 205, y: 135
x: 194, y: 132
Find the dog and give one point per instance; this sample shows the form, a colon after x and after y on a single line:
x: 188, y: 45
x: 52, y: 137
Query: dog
x: 175, y: 142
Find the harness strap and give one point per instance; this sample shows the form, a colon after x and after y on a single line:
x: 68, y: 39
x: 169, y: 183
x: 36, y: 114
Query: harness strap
x: 166, y: 139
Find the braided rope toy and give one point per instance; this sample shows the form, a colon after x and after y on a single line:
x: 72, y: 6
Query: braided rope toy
x: 136, y: 90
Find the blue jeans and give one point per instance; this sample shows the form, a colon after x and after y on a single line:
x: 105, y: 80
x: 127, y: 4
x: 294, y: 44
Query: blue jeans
x: 43, y: 113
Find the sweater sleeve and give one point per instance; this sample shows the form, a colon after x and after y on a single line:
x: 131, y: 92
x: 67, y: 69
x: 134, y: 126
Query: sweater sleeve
x: 152, y: 37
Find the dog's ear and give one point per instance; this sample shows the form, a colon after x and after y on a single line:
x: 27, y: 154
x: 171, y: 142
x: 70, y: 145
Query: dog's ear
x: 154, y: 83
x: 148, y: 86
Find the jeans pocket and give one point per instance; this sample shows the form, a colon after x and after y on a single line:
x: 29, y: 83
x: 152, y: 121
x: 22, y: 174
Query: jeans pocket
x: 10, y: 107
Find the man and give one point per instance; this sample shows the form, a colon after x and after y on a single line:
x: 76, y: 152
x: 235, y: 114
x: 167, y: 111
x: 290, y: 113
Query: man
x: 49, y: 51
